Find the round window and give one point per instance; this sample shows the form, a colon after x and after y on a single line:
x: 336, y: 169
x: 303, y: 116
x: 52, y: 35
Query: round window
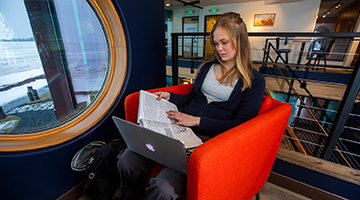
x: 54, y: 62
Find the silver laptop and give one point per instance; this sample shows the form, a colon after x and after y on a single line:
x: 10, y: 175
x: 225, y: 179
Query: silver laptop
x: 160, y: 148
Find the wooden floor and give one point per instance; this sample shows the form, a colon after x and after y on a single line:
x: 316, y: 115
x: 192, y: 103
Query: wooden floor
x: 268, y: 192
x: 273, y: 192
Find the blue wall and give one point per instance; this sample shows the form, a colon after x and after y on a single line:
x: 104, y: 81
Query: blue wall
x: 45, y: 173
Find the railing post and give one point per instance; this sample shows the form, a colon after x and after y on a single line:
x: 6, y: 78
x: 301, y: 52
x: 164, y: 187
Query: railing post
x: 346, y: 104
x: 192, y: 51
x: 263, y: 64
x: 174, y: 59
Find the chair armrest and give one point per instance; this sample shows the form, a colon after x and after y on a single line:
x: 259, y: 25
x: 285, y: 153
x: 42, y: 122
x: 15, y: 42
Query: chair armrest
x: 239, y: 160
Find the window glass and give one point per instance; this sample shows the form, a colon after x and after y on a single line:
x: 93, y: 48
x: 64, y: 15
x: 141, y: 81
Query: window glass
x: 54, y: 59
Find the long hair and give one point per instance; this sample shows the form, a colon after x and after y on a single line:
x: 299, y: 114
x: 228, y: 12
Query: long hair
x: 237, y: 31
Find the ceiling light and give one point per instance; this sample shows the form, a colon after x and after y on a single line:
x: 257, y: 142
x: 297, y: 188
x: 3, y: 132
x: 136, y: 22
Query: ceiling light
x: 324, y: 16
x: 167, y: 4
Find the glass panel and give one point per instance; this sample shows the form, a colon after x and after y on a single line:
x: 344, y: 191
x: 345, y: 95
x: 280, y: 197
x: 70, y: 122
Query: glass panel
x: 190, y: 25
x: 53, y: 60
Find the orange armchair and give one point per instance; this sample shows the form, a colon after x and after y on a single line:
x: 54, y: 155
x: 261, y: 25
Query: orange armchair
x: 236, y: 163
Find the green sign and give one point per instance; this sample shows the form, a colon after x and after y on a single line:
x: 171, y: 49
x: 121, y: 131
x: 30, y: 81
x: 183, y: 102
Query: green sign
x: 189, y: 12
x: 213, y: 10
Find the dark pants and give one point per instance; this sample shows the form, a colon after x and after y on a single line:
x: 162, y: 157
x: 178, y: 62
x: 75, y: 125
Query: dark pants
x: 167, y: 185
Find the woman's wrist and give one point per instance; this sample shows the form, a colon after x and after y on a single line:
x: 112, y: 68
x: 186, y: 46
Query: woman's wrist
x: 198, y: 119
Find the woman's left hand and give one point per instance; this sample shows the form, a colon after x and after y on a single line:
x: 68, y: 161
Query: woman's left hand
x: 183, y: 119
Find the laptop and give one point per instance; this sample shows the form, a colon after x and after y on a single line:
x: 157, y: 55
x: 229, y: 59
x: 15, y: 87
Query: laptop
x: 160, y: 148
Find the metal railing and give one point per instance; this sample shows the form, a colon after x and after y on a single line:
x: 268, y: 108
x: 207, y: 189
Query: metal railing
x: 320, y: 82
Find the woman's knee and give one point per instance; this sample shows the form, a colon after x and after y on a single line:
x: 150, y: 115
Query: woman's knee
x: 123, y: 164
x: 133, y: 166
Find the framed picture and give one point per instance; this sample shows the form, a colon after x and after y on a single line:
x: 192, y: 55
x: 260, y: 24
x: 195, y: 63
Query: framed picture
x: 264, y: 19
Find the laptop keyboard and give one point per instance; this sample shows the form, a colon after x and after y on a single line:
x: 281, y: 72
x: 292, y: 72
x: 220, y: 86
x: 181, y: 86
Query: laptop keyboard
x: 188, y: 153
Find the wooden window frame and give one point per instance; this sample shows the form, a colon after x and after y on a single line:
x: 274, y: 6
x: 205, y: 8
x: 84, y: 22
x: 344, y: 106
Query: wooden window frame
x: 111, y: 23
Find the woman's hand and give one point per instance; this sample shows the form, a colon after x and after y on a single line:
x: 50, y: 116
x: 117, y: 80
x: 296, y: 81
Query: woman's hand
x: 183, y: 119
x: 162, y: 95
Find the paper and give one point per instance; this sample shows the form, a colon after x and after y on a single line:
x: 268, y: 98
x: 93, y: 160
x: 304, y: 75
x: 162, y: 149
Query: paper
x: 152, y: 115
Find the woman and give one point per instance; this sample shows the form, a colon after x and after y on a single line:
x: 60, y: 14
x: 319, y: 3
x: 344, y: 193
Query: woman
x: 226, y: 93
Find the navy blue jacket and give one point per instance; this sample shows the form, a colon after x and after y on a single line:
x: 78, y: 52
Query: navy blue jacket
x: 217, y: 117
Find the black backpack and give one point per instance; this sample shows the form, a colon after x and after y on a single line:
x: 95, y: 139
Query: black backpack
x: 99, y: 162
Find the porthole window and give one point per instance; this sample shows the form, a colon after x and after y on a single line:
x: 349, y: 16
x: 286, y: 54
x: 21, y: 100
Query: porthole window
x: 62, y: 68
x: 54, y: 62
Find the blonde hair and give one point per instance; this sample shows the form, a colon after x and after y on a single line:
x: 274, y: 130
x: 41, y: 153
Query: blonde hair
x: 237, y: 31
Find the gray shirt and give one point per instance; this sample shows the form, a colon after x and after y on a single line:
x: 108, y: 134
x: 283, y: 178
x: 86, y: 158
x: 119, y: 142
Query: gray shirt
x: 214, y: 90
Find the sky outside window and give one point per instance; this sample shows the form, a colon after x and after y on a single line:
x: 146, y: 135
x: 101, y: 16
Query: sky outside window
x: 14, y: 21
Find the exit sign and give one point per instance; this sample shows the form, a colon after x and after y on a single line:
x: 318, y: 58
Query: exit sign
x: 214, y: 10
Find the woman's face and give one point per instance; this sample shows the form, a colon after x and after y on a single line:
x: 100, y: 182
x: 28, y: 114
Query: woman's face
x: 223, y: 45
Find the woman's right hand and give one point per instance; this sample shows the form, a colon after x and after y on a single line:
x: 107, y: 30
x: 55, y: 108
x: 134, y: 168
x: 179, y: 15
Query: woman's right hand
x: 162, y: 95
